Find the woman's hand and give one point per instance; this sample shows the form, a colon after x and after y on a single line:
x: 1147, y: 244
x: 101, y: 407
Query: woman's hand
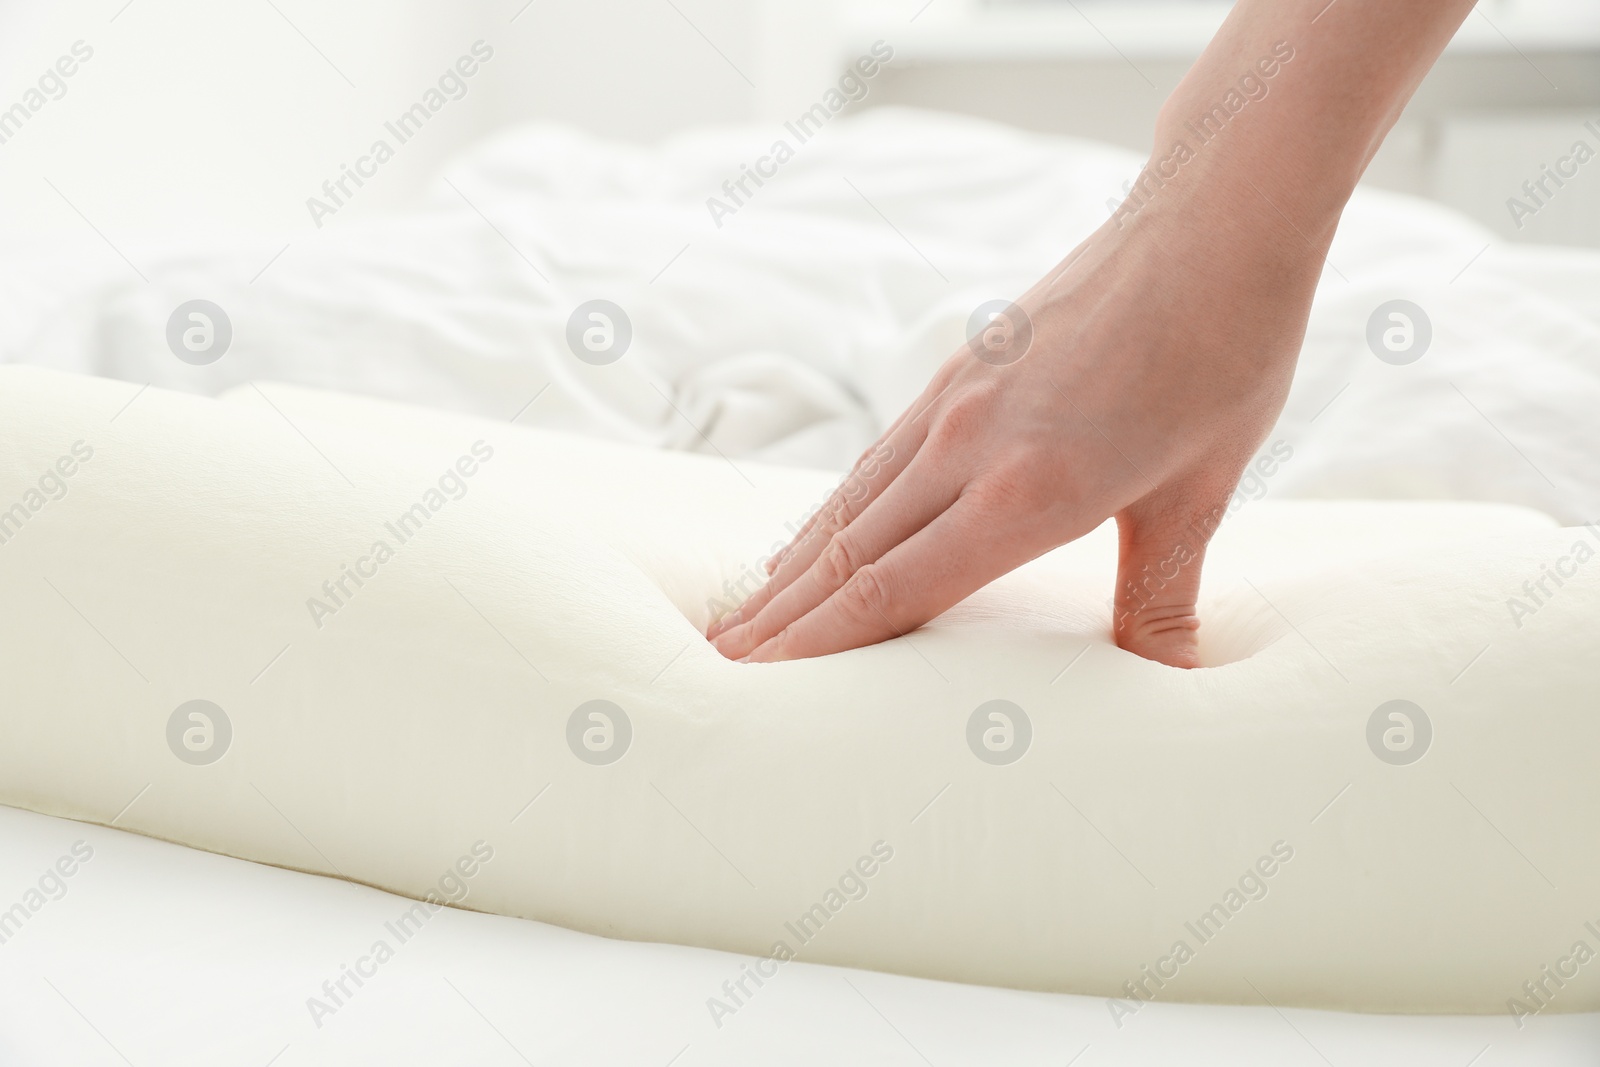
x: 1139, y: 377
x: 1159, y: 357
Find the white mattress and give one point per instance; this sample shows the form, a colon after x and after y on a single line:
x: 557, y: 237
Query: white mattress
x: 159, y: 954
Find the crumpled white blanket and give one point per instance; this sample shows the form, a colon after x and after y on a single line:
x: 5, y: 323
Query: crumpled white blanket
x: 803, y: 324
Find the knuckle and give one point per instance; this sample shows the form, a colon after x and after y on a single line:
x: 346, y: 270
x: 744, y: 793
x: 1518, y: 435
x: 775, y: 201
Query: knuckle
x: 852, y: 489
x: 865, y: 596
x: 835, y: 516
x: 966, y: 415
x: 839, y: 560
x: 782, y: 560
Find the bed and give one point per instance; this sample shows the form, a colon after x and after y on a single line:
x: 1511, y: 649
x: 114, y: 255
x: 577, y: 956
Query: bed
x: 852, y: 281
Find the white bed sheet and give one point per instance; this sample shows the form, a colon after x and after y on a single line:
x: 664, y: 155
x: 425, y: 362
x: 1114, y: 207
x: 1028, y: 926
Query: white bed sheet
x: 805, y: 323
x: 159, y: 954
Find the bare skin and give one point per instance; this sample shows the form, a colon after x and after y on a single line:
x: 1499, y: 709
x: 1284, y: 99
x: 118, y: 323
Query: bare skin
x: 1161, y: 355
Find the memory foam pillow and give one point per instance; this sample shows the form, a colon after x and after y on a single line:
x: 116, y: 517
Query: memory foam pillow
x: 510, y: 703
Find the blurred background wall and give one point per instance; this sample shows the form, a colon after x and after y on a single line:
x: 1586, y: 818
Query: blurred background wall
x: 1511, y: 94
x: 220, y: 117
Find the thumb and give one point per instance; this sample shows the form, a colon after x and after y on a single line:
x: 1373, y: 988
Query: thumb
x: 1161, y: 547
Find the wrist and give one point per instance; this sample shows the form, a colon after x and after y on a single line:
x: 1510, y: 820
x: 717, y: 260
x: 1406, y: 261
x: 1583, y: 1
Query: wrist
x: 1226, y: 212
x: 1250, y: 161
x: 1288, y: 105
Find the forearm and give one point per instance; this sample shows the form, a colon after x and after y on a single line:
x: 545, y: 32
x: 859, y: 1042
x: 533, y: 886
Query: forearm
x: 1282, y: 113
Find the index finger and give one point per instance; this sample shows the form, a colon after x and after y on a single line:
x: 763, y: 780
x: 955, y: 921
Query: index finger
x: 922, y: 577
x: 880, y: 466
